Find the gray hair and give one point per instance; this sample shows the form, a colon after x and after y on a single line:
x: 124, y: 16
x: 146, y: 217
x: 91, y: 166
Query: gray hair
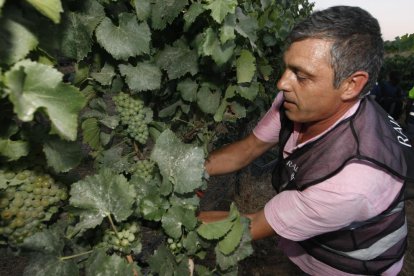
x: 357, y: 42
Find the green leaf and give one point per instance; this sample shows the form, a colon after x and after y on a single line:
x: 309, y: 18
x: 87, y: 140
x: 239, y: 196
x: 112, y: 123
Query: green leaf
x: 178, y: 60
x: 46, y: 242
x: 177, y: 217
x: 129, y: 39
x: 232, y: 239
x: 244, y: 249
x: 44, y: 264
x: 193, y: 12
x: 62, y: 102
x: 249, y: 92
x: 13, y: 150
x: 208, y: 100
x: 142, y: 9
x: 153, y: 207
x: 49, y: 8
x: 188, y: 89
x: 99, y: 263
x: 113, y: 158
x: 162, y: 262
x: 91, y: 133
x: 211, y: 46
x: 215, y: 230
x: 105, y: 193
x: 181, y: 163
x: 16, y: 41
x: 105, y: 76
x: 247, y: 26
x: 77, y: 39
x: 62, y: 155
x: 144, y: 76
x: 220, y: 8
x: 234, y: 111
x: 164, y: 12
x: 245, y: 66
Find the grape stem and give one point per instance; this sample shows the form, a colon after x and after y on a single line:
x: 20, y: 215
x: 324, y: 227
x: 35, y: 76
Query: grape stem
x: 75, y: 256
x: 130, y: 260
x: 138, y: 152
x: 112, y: 223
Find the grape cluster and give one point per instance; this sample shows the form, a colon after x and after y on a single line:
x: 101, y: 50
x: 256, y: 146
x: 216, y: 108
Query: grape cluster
x: 144, y: 169
x: 175, y: 246
x: 133, y: 115
x: 124, y: 240
x: 30, y: 198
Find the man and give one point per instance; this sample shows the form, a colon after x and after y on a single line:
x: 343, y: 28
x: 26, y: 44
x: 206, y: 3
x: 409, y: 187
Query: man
x: 409, y: 115
x: 343, y: 161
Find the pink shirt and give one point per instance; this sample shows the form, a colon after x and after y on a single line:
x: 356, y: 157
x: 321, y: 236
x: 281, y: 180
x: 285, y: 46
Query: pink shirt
x: 358, y: 192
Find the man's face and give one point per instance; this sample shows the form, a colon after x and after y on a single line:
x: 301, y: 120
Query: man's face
x: 307, y: 82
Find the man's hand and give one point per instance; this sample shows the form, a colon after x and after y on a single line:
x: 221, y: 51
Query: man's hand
x: 235, y: 156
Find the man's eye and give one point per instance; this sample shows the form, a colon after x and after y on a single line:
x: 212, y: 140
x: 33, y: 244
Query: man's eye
x: 300, y: 77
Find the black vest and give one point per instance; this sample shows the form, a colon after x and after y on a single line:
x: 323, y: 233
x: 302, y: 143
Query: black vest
x: 371, y: 135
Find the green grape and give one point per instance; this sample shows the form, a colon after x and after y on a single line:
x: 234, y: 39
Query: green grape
x: 4, y: 202
x: 124, y: 242
x: 131, y: 237
x: 9, y: 175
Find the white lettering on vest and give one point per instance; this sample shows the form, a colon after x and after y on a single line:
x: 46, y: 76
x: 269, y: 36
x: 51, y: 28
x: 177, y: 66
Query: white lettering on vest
x: 402, y: 138
x: 290, y: 164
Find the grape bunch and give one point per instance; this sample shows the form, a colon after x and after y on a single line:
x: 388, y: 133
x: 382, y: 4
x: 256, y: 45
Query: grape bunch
x: 134, y: 115
x: 28, y: 199
x: 175, y: 246
x: 144, y: 169
x: 125, y: 240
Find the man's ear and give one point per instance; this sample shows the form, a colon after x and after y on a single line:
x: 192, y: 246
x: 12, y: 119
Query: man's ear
x: 353, y: 85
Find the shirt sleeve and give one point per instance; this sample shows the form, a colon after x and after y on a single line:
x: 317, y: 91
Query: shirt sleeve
x: 268, y: 128
x: 357, y: 193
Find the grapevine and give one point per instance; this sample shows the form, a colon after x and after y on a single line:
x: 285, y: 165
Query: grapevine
x: 120, y: 101
x: 134, y: 115
x: 30, y: 199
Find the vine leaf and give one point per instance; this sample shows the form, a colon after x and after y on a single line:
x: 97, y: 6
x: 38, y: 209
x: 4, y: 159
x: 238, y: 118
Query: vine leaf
x: 177, y: 217
x: 101, y: 195
x: 162, y: 262
x: 105, y: 76
x: 49, y: 8
x: 247, y: 26
x: 211, y: 46
x: 16, y: 41
x: 62, y: 155
x: 129, y: 39
x: 243, y: 250
x: 250, y: 92
x: 99, y: 263
x: 178, y: 60
x: 13, y: 150
x: 62, y: 102
x: 220, y: 8
x: 44, y: 264
x: 246, y: 67
x: 153, y: 207
x: 208, y: 100
x: 181, y: 163
x: 143, y: 76
x: 91, y: 133
x: 164, y: 12
x: 48, y: 241
x: 78, y: 28
x: 214, y: 230
x: 232, y: 239
x: 77, y: 40
x: 188, y: 89
x: 193, y: 12
x: 142, y: 9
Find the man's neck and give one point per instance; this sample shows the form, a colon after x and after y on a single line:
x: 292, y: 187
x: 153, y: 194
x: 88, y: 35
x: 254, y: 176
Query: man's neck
x: 313, y: 129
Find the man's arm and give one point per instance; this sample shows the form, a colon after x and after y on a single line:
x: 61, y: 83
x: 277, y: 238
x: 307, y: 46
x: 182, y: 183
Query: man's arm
x: 259, y: 227
x: 235, y: 156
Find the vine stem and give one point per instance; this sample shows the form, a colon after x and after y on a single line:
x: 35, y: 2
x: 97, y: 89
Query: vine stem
x: 75, y: 256
x: 130, y: 260
x: 112, y: 224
